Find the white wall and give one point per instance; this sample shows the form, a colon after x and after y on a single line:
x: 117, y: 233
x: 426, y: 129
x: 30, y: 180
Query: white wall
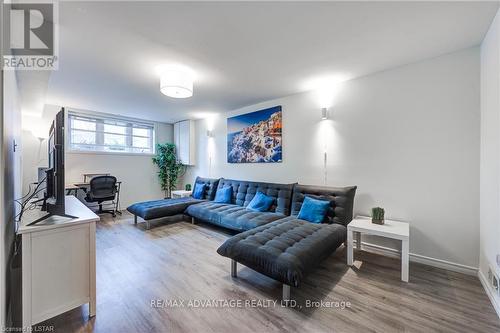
x: 11, y: 189
x: 407, y: 137
x: 490, y: 153
x: 137, y: 173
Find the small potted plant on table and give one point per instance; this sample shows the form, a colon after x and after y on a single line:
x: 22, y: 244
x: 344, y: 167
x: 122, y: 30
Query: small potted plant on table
x: 378, y: 215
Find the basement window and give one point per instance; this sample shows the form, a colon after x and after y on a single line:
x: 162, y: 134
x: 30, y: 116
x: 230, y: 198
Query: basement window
x: 109, y: 134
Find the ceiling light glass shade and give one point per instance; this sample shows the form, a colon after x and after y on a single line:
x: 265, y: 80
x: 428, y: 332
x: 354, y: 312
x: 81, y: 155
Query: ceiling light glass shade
x: 176, y: 83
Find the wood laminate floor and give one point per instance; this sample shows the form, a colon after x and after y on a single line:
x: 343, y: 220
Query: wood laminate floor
x: 177, y: 262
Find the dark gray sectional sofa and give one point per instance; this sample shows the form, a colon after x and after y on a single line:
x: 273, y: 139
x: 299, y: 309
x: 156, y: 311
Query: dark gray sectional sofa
x: 275, y: 243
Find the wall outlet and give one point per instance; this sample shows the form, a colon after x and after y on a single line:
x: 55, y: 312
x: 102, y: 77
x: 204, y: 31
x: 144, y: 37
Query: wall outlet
x: 493, y: 280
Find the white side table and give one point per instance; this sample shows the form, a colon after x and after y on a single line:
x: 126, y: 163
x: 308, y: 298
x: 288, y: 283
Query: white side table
x: 391, y: 229
x: 180, y: 194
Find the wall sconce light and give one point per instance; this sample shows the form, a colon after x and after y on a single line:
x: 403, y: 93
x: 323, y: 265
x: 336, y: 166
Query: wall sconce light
x: 210, y: 134
x: 324, y: 113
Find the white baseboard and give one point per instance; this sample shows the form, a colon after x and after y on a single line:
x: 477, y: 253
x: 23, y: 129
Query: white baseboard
x: 452, y: 266
x: 489, y: 291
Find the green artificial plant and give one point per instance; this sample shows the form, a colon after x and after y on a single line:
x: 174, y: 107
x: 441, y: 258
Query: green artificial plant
x: 170, y: 168
x: 378, y: 215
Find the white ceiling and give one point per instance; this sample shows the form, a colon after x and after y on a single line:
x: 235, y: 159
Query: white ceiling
x: 242, y: 53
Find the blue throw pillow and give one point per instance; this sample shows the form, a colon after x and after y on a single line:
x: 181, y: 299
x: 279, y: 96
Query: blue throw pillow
x: 313, y: 210
x: 223, y: 195
x: 260, y: 202
x: 199, y: 188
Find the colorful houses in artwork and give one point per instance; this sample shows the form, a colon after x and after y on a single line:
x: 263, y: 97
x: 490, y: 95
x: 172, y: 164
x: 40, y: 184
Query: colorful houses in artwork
x: 259, y: 139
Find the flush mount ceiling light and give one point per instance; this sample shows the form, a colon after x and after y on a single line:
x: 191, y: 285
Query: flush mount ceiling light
x: 176, y: 82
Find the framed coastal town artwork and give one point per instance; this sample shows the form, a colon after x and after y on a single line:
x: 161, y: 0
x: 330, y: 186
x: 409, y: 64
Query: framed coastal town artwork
x: 255, y: 137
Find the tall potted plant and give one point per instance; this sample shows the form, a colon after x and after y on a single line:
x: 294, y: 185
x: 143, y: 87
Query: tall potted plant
x: 170, y: 168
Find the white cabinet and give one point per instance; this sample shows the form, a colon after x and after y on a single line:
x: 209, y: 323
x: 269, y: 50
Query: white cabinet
x: 58, y: 263
x: 184, y: 139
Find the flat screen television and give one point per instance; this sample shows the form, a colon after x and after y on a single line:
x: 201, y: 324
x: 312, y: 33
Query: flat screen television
x: 54, y: 195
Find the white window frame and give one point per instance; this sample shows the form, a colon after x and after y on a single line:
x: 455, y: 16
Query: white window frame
x: 101, y: 118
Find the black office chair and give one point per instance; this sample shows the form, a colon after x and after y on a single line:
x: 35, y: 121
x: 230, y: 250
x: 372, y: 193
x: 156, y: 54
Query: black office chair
x: 102, y: 188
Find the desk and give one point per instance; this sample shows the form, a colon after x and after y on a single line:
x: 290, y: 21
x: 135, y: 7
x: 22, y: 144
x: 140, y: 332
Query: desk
x: 72, y: 189
x: 58, y: 263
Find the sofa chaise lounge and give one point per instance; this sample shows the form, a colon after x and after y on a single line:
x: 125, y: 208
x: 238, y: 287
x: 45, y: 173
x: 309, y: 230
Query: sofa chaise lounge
x: 289, y: 248
x: 150, y: 210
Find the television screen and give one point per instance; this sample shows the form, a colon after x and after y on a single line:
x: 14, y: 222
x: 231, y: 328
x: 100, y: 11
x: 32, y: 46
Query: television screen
x: 55, y: 173
x: 55, y: 187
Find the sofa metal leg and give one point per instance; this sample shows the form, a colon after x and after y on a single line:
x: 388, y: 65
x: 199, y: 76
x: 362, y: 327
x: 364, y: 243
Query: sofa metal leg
x: 192, y: 220
x: 135, y: 219
x: 234, y: 269
x: 147, y: 224
x: 286, y: 292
